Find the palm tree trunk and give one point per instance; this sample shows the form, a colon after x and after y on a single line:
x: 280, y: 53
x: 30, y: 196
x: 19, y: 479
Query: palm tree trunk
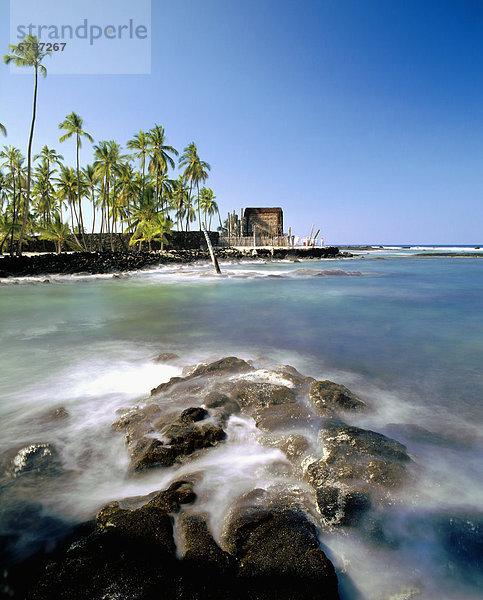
x: 72, y: 212
x: 109, y: 224
x: 199, y: 212
x: 81, y: 219
x: 13, y: 216
x: 29, y: 167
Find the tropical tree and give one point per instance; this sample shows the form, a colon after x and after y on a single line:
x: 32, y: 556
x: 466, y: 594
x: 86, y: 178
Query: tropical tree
x: 126, y: 189
x: 3, y: 131
x: 67, y: 188
x: 141, y: 143
x: 60, y: 233
x: 160, y: 159
x: 179, y: 195
x: 91, y: 181
x: 73, y: 124
x: 28, y: 54
x: 196, y: 170
x: 44, y: 192
x: 208, y: 205
x: 106, y: 165
x: 152, y: 229
x: 187, y: 211
x: 13, y: 160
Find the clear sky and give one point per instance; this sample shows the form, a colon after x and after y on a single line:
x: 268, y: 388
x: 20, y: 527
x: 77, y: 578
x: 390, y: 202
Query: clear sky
x: 364, y: 117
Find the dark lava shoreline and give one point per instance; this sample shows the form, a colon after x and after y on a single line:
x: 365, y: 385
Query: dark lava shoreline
x: 114, y: 262
x: 269, y: 547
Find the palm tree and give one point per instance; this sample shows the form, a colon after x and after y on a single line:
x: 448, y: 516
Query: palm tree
x: 160, y: 157
x: 3, y: 130
x: 49, y: 156
x: 73, y: 124
x: 59, y: 233
x: 106, y: 164
x: 28, y: 54
x: 208, y: 204
x: 13, y: 159
x: 90, y: 181
x: 179, y: 194
x: 195, y: 171
x: 187, y: 211
x: 44, y: 191
x: 126, y: 189
x: 67, y: 190
x: 43, y: 187
x: 140, y: 142
x: 150, y: 229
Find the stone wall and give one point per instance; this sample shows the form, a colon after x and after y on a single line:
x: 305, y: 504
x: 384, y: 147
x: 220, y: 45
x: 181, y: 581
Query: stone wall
x: 177, y: 240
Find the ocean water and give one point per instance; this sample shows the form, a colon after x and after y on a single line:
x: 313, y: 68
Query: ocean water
x: 405, y: 333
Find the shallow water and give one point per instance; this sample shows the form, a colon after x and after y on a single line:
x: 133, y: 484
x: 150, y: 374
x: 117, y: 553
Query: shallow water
x: 404, y: 333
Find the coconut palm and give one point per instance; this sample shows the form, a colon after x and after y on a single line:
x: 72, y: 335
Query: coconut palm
x: 107, y: 156
x: 91, y: 181
x: 160, y: 159
x: 196, y: 170
x: 73, y: 124
x: 140, y: 143
x: 60, y: 233
x: 28, y: 54
x: 208, y: 205
x: 127, y: 189
x: 3, y: 131
x: 67, y: 189
x: 179, y: 195
x: 44, y: 191
x: 151, y: 229
x: 13, y: 160
x: 187, y: 211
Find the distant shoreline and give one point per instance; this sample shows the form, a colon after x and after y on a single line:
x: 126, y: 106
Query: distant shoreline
x: 94, y: 263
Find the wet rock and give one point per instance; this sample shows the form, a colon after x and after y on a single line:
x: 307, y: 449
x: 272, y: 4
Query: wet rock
x: 170, y: 500
x: 298, y: 380
x: 148, y: 524
x: 343, y: 506
x: 149, y: 453
x: 56, y: 414
x: 343, y: 441
x: 278, y: 551
x: 327, y: 397
x: 200, y: 547
x: 166, y: 357
x: 131, y: 554
x: 228, y: 365
x: 138, y: 422
x: 388, y: 474
x: 174, y: 439
x: 223, y: 405
x: 253, y: 395
x: 294, y: 446
x: 283, y: 416
x: 193, y: 414
x: 166, y: 385
x: 40, y: 459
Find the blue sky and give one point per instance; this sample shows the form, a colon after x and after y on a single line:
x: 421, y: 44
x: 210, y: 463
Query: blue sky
x: 362, y: 117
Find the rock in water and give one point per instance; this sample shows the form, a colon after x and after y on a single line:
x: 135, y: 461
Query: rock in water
x: 329, y: 397
x: 230, y: 364
x: 358, y: 469
x: 40, y: 459
x: 279, y: 554
x: 166, y: 357
x: 175, y: 439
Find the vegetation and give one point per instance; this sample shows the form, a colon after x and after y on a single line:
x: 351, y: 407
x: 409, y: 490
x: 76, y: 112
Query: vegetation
x: 138, y: 192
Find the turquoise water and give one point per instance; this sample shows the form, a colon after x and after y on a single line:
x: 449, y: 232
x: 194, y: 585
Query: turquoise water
x: 405, y: 333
